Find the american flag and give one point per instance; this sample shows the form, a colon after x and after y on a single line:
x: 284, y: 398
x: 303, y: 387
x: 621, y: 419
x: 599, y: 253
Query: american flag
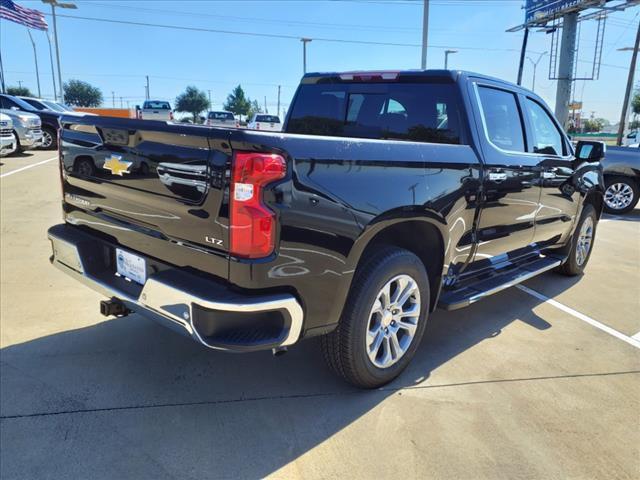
x: 24, y: 16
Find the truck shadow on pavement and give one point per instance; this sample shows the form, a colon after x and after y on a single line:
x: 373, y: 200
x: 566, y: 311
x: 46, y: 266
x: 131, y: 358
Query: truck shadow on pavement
x: 127, y: 398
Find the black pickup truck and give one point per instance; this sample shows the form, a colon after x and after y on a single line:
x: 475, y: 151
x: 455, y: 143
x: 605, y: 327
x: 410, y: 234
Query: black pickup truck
x: 387, y: 195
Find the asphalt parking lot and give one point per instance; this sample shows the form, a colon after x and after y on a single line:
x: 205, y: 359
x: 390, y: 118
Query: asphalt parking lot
x: 535, y: 382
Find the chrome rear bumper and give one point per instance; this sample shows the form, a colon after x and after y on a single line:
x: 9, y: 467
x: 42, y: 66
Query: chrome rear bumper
x: 207, y: 311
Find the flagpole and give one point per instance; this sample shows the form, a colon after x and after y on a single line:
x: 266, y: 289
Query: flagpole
x: 2, y: 88
x: 53, y: 73
x: 35, y: 56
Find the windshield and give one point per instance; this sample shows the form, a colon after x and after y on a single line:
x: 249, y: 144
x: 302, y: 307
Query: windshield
x: 55, y: 106
x: 221, y: 115
x: 35, y: 103
x: 267, y: 118
x: 422, y: 112
x: 157, y: 105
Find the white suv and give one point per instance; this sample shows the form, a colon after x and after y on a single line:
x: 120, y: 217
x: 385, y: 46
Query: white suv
x: 155, y: 110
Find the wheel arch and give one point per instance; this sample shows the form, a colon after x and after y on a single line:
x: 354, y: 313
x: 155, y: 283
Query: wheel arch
x: 422, y: 236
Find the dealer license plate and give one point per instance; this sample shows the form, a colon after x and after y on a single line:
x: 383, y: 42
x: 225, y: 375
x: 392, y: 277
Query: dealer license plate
x: 131, y: 266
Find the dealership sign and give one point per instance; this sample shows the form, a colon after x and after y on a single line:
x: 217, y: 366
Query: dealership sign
x: 544, y: 10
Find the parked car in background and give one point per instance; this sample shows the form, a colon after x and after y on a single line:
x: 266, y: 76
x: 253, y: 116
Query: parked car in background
x: 155, y: 110
x: 269, y: 123
x: 27, y: 129
x: 42, y: 104
x: 622, y: 179
x: 49, y: 119
x: 632, y: 139
x: 221, y: 119
x: 388, y: 195
x: 8, y: 142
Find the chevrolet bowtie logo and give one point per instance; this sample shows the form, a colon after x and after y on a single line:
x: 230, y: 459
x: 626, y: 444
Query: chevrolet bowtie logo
x: 115, y: 164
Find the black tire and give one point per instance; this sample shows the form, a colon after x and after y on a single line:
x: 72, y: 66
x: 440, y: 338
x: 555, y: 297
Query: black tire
x: 49, y: 135
x: 344, y: 349
x: 85, y: 167
x: 623, y: 203
x: 574, y: 265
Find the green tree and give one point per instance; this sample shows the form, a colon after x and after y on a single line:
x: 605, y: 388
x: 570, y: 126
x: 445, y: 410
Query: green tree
x: 192, y: 101
x: 19, y: 91
x: 237, y: 102
x: 81, y: 94
x: 253, y: 108
x: 593, y: 125
x: 635, y: 103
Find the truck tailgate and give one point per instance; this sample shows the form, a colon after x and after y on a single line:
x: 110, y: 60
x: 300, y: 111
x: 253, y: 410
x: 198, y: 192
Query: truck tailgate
x: 150, y: 185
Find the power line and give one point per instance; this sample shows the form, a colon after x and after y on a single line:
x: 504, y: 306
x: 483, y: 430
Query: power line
x: 282, y: 36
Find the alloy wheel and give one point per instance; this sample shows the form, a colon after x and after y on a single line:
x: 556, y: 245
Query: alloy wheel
x: 47, y: 139
x: 393, y: 321
x: 618, y: 196
x: 585, y: 240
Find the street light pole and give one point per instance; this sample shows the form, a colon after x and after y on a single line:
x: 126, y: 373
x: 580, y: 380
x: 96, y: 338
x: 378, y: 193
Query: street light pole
x: 627, y: 93
x: 35, y: 57
x: 304, y: 53
x: 535, y: 67
x: 425, y: 34
x: 53, y: 72
x: 54, y: 4
x: 446, y: 57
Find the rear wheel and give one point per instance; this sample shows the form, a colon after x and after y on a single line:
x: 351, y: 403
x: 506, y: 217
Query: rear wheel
x: 581, y: 243
x: 383, y: 320
x: 621, y: 194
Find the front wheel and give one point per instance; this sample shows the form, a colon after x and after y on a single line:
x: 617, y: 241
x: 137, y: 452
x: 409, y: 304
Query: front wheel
x: 581, y: 243
x: 383, y: 320
x: 49, y: 139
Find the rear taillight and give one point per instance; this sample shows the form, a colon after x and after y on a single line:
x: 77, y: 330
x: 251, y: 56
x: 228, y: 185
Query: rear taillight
x: 253, y: 225
x: 257, y: 126
x: 170, y: 115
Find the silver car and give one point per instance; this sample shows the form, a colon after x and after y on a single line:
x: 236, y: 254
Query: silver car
x: 27, y: 128
x: 8, y: 143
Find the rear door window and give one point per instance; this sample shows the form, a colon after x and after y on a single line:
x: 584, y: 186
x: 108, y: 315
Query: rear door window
x: 502, y: 120
x: 427, y: 112
x: 267, y: 119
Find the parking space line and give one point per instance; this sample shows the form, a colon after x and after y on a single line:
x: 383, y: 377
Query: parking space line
x: 634, y: 341
x: 27, y: 167
x: 636, y: 336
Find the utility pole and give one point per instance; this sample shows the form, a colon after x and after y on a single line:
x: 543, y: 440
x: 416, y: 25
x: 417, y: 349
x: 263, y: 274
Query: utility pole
x: 113, y: 99
x: 20, y: 83
x: 210, y: 104
x: 425, y: 34
x: 304, y: 53
x: 565, y: 68
x: 265, y: 105
x: 54, y: 4
x: 121, y: 104
x: 53, y: 73
x: 278, y: 110
x: 535, y: 67
x: 627, y: 93
x: 147, y: 94
x: 523, y: 52
x: 35, y: 57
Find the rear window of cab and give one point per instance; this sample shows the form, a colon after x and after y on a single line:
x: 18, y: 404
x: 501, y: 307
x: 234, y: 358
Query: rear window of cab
x: 157, y: 105
x: 267, y: 118
x: 420, y: 112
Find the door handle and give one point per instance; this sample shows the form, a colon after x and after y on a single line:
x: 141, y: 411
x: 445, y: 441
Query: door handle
x: 551, y: 173
x: 497, y: 176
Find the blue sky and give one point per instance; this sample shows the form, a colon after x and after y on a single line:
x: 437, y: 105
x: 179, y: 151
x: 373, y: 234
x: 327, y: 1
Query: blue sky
x: 117, y: 57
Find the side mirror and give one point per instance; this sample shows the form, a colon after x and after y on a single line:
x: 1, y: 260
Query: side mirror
x: 591, y: 151
x: 137, y: 107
